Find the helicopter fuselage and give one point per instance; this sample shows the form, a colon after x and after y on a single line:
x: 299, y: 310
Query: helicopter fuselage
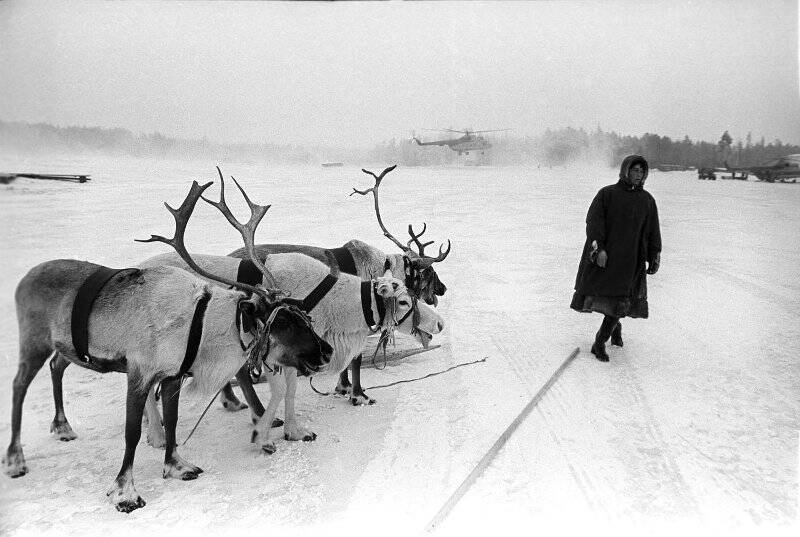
x: 461, y: 145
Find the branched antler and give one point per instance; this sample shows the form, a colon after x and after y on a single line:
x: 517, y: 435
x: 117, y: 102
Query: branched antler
x: 415, y: 238
x: 374, y: 191
x: 182, y: 215
x: 418, y: 257
x: 248, y: 230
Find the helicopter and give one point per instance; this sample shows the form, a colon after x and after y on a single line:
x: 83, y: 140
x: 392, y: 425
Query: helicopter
x: 784, y: 169
x: 470, y: 141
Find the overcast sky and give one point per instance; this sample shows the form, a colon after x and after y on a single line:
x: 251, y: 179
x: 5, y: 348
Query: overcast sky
x: 366, y: 72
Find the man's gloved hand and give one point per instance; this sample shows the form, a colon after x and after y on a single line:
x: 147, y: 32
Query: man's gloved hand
x: 602, y: 258
x: 652, y: 267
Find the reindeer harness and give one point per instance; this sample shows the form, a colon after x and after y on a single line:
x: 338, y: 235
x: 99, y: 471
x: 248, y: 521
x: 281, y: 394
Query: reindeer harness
x: 81, y: 309
x: 88, y: 292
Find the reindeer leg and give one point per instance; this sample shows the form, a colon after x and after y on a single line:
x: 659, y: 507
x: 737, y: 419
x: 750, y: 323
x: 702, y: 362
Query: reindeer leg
x: 31, y: 361
x: 343, y: 387
x: 291, y: 431
x: 277, y: 391
x: 155, y: 427
x: 60, y: 425
x: 174, y: 465
x: 229, y: 400
x: 250, y: 395
x: 122, y: 492
x: 358, y: 396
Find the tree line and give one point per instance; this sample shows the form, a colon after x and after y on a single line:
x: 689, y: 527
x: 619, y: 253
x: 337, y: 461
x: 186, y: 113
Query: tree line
x: 554, y: 147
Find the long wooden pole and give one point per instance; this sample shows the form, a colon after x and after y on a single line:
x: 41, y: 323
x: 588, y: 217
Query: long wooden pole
x: 498, y: 445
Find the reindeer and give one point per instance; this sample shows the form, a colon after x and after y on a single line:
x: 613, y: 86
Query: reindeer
x: 139, y: 324
x: 414, y: 268
x: 338, y: 315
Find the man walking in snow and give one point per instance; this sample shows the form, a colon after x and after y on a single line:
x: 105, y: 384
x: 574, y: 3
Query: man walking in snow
x: 623, y: 244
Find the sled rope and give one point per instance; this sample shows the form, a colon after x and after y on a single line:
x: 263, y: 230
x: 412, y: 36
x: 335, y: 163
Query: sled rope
x: 402, y: 381
x: 497, y: 446
x: 201, y: 417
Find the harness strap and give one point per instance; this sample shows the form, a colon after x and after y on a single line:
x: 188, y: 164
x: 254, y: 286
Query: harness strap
x: 381, y: 305
x: 367, y: 292
x: 248, y: 273
x: 195, y: 333
x: 313, y: 298
x: 366, y: 303
x: 345, y: 260
x: 82, y: 307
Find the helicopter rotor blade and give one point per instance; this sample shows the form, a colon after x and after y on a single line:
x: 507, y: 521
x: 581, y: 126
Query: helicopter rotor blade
x: 494, y: 130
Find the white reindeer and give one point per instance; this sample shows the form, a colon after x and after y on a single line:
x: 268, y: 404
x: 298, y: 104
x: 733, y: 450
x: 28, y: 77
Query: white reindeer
x: 139, y: 323
x: 412, y: 267
x: 339, y: 317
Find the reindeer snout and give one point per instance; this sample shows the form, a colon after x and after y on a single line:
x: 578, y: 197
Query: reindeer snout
x: 440, y: 325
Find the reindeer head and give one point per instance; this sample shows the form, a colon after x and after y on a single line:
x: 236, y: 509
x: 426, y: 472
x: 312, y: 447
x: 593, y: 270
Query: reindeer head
x: 409, y: 316
x: 420, y: 277
x: 282, y: 333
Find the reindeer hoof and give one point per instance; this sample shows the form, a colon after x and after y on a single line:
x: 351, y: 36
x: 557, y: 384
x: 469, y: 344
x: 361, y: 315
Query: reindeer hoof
x: 126, y: 506
x: 308, y: 437
x: 15, y: 465
x: 268, y: 449
x: 361, y: 399
x: 63, y: 431
x: 234, y: 406
x: 180, y: 469
x: 277, y: 422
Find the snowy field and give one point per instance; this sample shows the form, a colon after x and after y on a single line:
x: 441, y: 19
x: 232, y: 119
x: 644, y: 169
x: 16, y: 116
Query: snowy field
x: 692, y: 426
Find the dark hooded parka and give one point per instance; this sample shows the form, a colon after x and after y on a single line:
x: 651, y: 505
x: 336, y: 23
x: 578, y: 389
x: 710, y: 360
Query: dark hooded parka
x: 623, y: 221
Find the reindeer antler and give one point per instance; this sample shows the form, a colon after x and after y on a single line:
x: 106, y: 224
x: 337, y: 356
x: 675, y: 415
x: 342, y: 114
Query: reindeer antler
x: 182, y: 215
x: 248, y: 230
x: 418, y: 257
x: 374, y: 191
x: 426, y: 260
x: 415, y: 238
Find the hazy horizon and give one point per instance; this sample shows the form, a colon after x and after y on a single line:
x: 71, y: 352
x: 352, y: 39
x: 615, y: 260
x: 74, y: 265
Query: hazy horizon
x: 361, y: 73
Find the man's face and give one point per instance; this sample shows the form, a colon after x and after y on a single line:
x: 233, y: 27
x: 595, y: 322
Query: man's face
x: 636, y: 174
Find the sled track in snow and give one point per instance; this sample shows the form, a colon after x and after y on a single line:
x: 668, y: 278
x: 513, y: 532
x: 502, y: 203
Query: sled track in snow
x: 498, y: 445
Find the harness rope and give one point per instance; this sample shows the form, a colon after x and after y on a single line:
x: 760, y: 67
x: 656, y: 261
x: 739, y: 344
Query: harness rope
x: 405, y: 380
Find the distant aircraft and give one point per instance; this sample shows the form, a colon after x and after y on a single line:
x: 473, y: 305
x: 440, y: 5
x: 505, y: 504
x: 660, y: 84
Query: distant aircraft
x: 464, y: 144
x: 781, y: 169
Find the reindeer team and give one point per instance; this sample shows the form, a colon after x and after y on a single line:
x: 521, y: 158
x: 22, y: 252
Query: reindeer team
x: 210, y: 318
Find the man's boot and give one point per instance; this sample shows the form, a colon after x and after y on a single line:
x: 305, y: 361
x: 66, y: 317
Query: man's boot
x: 616, y: 335
x: 599, y: 349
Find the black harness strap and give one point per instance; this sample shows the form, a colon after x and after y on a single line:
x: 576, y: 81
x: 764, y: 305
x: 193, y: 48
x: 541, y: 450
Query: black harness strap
x: 313, y: 298
x: 195, y: 333
x: 82, y: 307
x: 345, y: 260
x: 368, y: 290
x: 381, y: 305
x: 366, y: 303
x: 248, y: 273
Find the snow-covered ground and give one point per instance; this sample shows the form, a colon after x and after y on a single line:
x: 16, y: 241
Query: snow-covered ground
x: 692, y: 426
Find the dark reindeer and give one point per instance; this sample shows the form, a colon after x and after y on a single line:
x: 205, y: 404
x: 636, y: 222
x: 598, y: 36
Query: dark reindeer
x: 412, y: 267
x: 139, y: 324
